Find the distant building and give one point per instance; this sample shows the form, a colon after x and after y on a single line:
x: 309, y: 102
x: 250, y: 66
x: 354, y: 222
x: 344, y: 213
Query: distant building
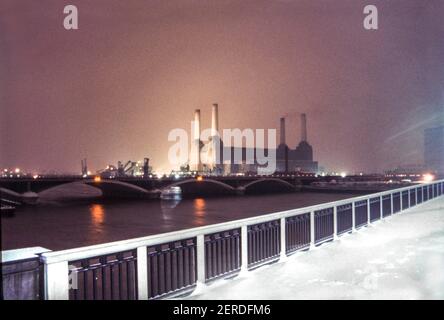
x: 299, y: 159
x: 412, y: 171
x: 288, y: 160
x: 434, y: 149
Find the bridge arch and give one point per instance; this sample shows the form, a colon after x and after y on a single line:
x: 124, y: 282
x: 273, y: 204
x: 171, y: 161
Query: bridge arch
x: 49, y: 191
x: 120, y: 189
x: 10, y: 195
x: 202, y: 187
x: 106, y: 187
x: 264, y: 184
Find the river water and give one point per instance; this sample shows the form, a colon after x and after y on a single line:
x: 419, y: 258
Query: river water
x: 68, y: 225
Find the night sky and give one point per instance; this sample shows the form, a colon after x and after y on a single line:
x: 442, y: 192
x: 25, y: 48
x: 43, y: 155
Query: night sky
x: 135, y: 69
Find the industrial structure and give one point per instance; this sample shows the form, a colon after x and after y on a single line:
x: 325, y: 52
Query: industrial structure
x: 84, y: 167
x: 129, y: 169
x: 215, y: 157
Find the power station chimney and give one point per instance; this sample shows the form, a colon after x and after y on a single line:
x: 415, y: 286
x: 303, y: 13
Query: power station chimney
x: 283, y: 143
x: 196, y: 124
x: 197, y: 138
x: 282, y: 131
x: 84, y: 167
x: 303, y: 127
x: 146, y: 167
x: 215, y: 137
x: 215, y: 120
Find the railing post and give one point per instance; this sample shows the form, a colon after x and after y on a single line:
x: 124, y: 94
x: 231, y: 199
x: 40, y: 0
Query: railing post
x: 283, y: 255
x: 408, y: 199
x: 312, y: 229
x: 335, y: 222
x: 56, y: 281
x: 200, y: 244
x: 391, y: 203
x: 244, y: 248
x: 368, y: 211
x: 142, y: 273
x: 353, y: 217
x: 416, y: 196
x: 381, y: 208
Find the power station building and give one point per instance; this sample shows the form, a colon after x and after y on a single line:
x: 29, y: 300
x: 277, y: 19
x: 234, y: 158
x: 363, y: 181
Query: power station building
x: 299, y: 158
x: 215, y: 157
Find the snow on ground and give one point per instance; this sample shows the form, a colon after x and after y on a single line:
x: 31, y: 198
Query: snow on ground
x: 401, y: 257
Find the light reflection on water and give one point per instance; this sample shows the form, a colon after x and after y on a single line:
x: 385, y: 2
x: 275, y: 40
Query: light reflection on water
x: 97, y: 214
x: 200, y: 211
x: 97, y: 229
x: 168, y: 206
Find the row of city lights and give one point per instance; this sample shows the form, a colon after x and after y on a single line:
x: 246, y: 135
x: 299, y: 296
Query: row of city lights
x: 17, y: 173
x: 12, y: 173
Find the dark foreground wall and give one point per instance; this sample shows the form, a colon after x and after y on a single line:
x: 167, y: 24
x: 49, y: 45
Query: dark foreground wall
x: 22, y: 275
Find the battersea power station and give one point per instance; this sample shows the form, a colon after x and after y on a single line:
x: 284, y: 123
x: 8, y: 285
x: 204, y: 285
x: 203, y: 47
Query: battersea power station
x: 206, y: 157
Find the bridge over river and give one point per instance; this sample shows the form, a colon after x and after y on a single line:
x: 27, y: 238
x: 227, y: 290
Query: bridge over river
x: 14, y: 188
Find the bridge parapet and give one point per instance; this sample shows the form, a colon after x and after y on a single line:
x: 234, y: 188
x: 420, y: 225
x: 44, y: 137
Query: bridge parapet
x: 151, y: 188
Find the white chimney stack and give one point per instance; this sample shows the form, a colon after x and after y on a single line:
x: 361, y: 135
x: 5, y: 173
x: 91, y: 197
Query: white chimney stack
x: 196, y: 133
x: 197, y: 138
x: 215, y: 137
x: 303, y: 127
x: 215, y: 120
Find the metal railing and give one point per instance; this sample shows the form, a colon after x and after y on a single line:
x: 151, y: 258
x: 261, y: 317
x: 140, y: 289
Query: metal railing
x: 169, y: 263
x: 106, y: 277
x: 297, y: 232
x: 345, y: 218
x: 222, y: 253
x: 171, y: 267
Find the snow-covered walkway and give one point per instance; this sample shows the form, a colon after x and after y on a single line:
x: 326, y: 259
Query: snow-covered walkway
x: 401, y: 257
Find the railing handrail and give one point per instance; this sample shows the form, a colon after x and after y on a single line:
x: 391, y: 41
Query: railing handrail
x: 14, y: 255
x: 130, y: 244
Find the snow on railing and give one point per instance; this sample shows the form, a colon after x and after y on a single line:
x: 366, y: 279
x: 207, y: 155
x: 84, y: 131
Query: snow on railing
x: 159, y: 265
